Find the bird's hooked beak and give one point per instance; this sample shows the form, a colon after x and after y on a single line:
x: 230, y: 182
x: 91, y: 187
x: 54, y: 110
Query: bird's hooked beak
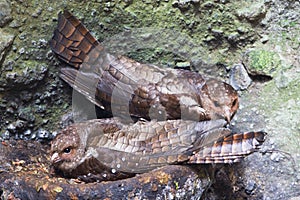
x: 55, y: 158
x: 228, y: 115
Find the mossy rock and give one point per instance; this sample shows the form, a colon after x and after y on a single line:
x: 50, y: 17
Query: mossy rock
x: 25, y: 75
x: 262, y: 62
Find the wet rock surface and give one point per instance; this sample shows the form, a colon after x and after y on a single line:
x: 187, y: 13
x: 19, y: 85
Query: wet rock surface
x: 5, y: 13
x: 6, y: 41
x: 252, y: 11
x: 239, y: 78
x: 262, y: 35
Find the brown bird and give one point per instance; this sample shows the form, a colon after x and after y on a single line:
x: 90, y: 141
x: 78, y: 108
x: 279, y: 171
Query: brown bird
x: 106, y: 149
x: 128, y: 88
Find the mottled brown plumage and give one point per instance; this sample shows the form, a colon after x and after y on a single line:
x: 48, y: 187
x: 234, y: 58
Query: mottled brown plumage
x: 106, y: 149
x: 130, y: 89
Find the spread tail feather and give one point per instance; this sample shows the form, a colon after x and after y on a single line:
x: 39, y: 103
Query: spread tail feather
x: 71, y: 41
x: 229, y: 149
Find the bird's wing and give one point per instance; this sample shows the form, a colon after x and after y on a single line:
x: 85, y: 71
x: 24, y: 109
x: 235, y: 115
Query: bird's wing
x: 119, y: 83
x: 144, y: 146
x: 91, y: 131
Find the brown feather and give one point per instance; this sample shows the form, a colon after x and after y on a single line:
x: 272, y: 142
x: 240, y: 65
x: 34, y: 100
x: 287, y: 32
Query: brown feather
x: 128, y: 88
x: 143, y: 146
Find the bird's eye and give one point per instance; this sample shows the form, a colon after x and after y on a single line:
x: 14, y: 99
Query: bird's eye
x: 217, y: 104
x: 234, y: 103
x: 67, y: 150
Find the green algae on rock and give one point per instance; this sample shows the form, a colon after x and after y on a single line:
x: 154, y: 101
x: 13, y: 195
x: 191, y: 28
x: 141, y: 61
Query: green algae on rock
x: 262, y: 62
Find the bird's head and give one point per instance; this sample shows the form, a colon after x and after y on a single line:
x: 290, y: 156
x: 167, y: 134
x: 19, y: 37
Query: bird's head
x: 67, y: 150
x: 219, y: 99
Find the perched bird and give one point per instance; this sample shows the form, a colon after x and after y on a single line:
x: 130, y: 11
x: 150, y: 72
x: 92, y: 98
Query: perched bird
x: 128, y: 88
x: 106, y: 149
x: 188, y: 113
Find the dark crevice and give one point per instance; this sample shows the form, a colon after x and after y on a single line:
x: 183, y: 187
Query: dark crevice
x: 260, y: 78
